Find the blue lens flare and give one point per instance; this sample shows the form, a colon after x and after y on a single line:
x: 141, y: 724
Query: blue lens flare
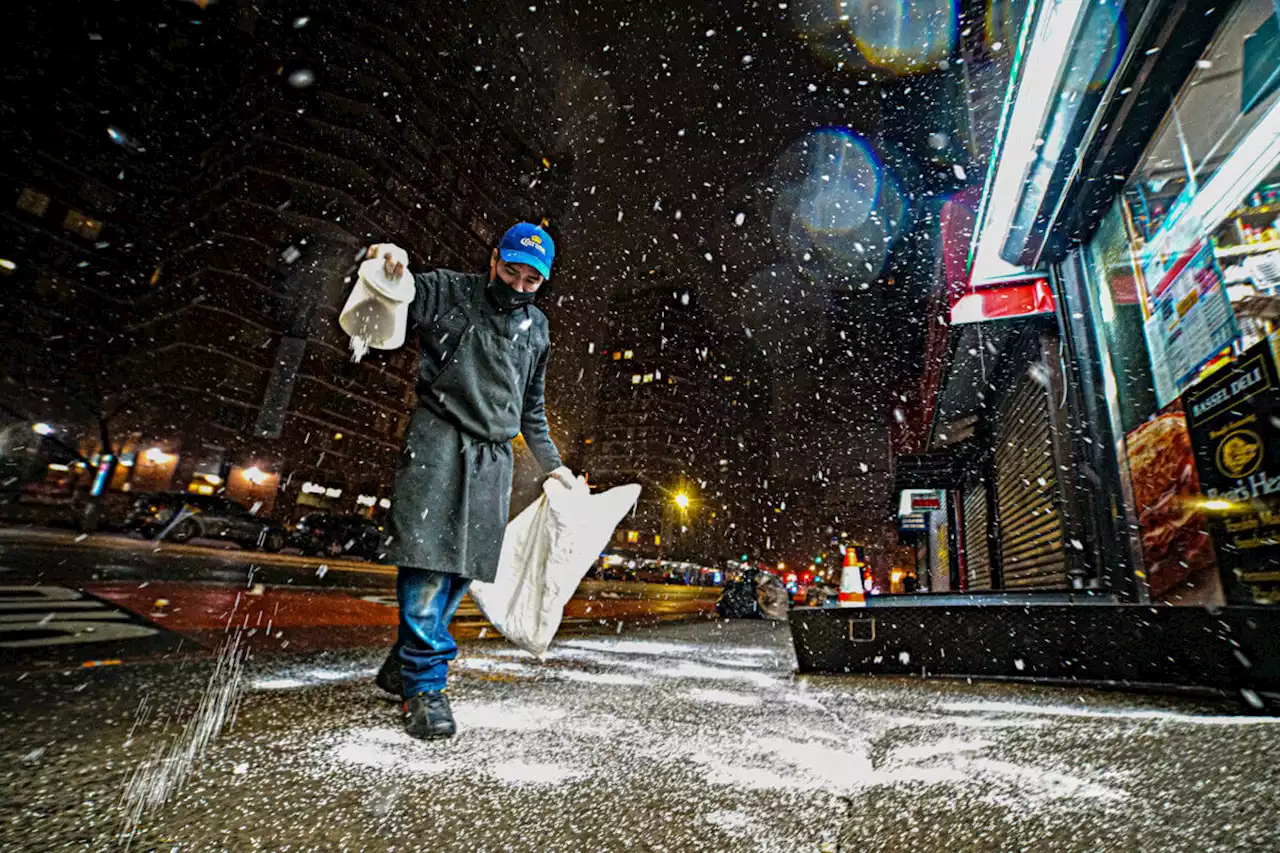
x: 837, y: 207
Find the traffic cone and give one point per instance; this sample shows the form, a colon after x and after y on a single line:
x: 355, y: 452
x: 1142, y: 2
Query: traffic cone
x: 851, y: 591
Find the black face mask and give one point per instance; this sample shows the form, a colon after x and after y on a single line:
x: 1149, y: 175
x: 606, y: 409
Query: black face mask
x: 507, y: 297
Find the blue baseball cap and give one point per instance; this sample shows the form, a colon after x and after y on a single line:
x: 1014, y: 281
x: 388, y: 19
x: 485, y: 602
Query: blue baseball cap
x: 526, y: 243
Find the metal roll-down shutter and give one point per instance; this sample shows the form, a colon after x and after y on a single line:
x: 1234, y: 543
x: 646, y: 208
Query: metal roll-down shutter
x: 977, y: 561
x: 1027, y: 491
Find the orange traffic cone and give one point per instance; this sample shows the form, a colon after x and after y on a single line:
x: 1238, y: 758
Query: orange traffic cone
x: 851, y: 592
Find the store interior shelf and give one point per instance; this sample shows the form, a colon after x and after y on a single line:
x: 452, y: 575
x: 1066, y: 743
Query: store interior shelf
x: 1256, y: 211
x: 1248, y: 249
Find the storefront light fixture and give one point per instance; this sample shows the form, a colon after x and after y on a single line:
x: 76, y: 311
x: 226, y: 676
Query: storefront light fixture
x: 58, y: 466
x: 1216, y: 504
x: 42, y: 429
x: 333, y: 493
x: 256, y: 475
x: 366, y: 500
x: 1043, y: 60
x: 385, y: 503
x: 156, y: 456
x: 7, y: 265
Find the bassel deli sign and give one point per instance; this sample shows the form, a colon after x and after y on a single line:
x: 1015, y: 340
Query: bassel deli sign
x: 1234, y: 421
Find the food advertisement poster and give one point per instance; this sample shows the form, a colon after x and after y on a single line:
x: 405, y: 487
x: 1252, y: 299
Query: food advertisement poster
x: 1234, y: 423
x: 1177, y: 550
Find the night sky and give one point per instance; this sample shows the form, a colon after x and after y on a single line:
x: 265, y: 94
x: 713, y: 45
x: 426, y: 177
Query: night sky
x: 687, y: 126
x: 752, y: 150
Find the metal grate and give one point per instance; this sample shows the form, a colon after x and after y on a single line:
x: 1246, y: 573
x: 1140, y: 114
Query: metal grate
x: 1027, y: 492
x: 977, y: 558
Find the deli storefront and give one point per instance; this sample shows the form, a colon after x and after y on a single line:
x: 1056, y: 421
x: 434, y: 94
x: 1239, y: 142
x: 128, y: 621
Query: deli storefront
x: 1108, y: 406
x: 1172, y: 303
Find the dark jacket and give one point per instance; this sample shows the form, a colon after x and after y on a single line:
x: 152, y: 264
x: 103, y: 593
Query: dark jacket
x: 438, y: 294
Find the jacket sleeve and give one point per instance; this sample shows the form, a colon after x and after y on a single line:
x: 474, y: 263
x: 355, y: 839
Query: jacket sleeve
x: 533, y: 418
x: 427, y: 287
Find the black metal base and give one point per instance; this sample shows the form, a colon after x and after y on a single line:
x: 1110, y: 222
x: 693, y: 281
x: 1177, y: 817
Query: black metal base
x: 1230, y: 649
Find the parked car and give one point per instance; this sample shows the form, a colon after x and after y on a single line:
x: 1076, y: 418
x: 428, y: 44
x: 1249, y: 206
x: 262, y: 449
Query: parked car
x: 206, y: 517
x: 759, y: 595
x: 323, y: 533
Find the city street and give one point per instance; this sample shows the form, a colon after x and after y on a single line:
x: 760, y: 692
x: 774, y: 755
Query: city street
x: 76, y: 601
x: 675, y: 738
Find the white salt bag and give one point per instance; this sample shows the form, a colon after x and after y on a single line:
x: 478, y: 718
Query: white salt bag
x: 546, y: 551
x: 376, y: 315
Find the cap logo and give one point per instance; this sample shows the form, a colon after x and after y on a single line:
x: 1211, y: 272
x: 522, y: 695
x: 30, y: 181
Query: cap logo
x: 533, y: 243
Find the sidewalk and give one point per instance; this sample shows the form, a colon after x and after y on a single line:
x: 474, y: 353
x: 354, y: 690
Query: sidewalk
x: 684, y: 739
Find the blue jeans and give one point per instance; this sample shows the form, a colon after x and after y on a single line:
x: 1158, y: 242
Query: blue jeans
x: 428, y: 601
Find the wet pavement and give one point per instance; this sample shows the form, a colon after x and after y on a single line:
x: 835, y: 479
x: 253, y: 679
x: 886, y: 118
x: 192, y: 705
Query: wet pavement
x: 689, y: 737
x: 73, y: 601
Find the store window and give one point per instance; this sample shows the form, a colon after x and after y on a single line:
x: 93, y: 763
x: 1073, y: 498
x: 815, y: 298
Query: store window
x: 1118, y: 314
x: 1184, y: 287
x: 1202, y: 208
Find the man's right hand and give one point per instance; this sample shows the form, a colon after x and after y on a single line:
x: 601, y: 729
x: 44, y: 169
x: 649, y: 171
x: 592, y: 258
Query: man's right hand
x: 393, y: 268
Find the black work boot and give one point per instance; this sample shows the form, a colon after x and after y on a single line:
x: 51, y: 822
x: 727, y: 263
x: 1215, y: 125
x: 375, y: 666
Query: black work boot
x: 428, y: 716
x: 388, y: 677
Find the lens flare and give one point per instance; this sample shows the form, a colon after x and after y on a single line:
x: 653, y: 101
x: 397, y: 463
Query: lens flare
x: 836, y: 206
x: 896, y: 36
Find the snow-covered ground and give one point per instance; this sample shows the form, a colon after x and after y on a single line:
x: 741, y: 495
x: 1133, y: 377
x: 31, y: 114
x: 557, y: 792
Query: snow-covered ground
x: 686, y: 737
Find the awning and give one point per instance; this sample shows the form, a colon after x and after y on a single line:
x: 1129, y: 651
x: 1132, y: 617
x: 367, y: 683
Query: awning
x: 1009, y: 300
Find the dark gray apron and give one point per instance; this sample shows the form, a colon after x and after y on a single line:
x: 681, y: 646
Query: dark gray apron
x: 453, y: 491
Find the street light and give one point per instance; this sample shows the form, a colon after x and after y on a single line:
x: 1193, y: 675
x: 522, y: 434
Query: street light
x: 42, y: 429
x: 682, y: 500
x: 156, y: 456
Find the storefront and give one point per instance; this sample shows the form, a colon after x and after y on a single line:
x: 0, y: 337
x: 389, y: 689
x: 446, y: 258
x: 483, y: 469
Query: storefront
x: 1139, y: 177
x: 1175, y: 284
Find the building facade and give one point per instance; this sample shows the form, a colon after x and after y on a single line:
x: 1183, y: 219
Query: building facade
x: 1097, y: 412
x: 368, y: 122
x: 684, y: 413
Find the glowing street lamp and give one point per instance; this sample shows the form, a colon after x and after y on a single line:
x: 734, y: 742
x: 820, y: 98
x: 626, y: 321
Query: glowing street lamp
x: 42, y: 429
x: 682, y: 500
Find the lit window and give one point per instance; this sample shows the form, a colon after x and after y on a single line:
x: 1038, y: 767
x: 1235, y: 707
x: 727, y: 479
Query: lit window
x: 635, y: 378
x: 657, y: 374
x: 657, y: 539
x: 33, y: 201
x: 617, y: 356
x: 78, y: 223
x: 629, y: 354
x: 648, y: 377
x: 633, y: 535
x: 728, y: 379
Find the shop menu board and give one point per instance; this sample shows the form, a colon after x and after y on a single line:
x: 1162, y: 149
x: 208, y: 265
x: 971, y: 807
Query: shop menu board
x: 1176, y: 549
x: 1191, y: 321
x: 1234, y: 421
